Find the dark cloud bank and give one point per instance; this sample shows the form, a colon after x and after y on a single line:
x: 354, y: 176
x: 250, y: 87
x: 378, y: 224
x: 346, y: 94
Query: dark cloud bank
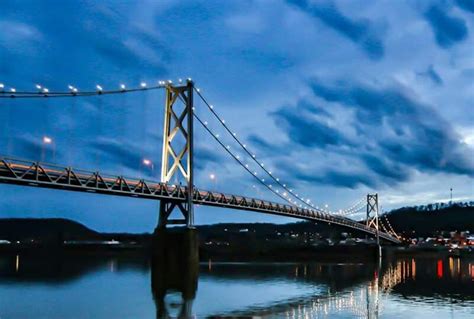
x: 396, y: 134
x: 361, y: 32
x: 447, y: 28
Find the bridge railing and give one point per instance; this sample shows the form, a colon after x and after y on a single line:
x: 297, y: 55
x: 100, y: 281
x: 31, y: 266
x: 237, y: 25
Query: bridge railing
x: 47, y: 175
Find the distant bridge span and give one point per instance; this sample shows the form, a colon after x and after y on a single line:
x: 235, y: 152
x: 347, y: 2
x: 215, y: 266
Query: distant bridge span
x: 27, y: 173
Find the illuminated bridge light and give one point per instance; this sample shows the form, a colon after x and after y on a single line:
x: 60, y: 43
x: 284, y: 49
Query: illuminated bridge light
x: 47, y: 140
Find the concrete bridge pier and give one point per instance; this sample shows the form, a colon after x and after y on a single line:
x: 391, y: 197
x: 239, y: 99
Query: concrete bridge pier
x: 175, y: 268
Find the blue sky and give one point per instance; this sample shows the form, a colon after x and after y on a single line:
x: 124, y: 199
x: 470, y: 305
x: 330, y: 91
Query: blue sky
x: 337, y: 98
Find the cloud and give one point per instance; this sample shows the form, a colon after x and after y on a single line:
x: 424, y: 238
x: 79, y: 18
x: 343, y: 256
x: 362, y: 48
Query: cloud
x: 431, y: 74
x: 390, y: 171
x: 404, y: 130
x: 361, y: 32
x: 448, y: 30
x: 18, y: 31
x: 330, y: 176
x: 98, y: 43
x: 305, y: 130
x: 260, y: 144
x: 467, y: 5
x: 395, y: 135
x: 127, y: 155
x: 204, y: 156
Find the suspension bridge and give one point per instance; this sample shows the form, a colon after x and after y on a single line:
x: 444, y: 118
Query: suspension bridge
x: 178, y: 164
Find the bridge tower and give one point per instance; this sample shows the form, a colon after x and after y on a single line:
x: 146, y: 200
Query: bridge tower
x: 373, y: 214
x: 177, y: 156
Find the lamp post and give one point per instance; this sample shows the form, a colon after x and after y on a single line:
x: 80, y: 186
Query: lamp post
x: 47, y: 141
x: 150, y: 164
x: 213, y: 178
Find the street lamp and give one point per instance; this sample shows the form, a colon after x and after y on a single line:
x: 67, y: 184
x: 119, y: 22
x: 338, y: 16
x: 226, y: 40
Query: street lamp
x: 47, y: 141
x: 150, y: 164
x: 213, y: 178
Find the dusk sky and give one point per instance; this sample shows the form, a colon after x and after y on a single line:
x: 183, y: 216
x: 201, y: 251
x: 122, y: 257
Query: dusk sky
x: 338, y: 98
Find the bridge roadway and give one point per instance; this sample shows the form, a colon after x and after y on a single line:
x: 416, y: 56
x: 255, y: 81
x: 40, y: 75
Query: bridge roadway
x: 28, y: 173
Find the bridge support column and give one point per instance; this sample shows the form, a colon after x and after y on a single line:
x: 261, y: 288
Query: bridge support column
x: 177, y: 155
x: 175, y: 267
x: 373, y: 217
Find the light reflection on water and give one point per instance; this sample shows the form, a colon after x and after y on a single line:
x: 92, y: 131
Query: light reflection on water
x: 126, y: 287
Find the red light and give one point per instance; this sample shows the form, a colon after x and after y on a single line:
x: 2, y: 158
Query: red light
x: 439, y: 268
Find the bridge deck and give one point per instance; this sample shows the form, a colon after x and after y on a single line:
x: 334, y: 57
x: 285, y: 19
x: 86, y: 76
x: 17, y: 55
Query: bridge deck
x: 29, y: 173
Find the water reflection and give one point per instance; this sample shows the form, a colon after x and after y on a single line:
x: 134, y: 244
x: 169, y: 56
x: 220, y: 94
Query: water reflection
x: 169, y: 278
x: 129, y: 287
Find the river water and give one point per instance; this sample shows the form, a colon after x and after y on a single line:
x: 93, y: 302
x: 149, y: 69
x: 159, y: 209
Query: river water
x: 131, y: 287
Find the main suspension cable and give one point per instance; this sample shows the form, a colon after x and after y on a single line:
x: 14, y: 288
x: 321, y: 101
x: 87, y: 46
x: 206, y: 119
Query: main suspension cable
x: 43, y: 92
x: 354, y: 209
x: 244, y: 147
x: 391, y: 228
x: 254, y: 157
x: 237, y: 159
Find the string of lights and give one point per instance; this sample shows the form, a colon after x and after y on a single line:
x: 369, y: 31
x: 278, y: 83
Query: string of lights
x: 73, y: 91
x: 383, y: 226
x: 358, y: 207
x: 255, y: 159
x: 237, y: 159
x: 391, y: 228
